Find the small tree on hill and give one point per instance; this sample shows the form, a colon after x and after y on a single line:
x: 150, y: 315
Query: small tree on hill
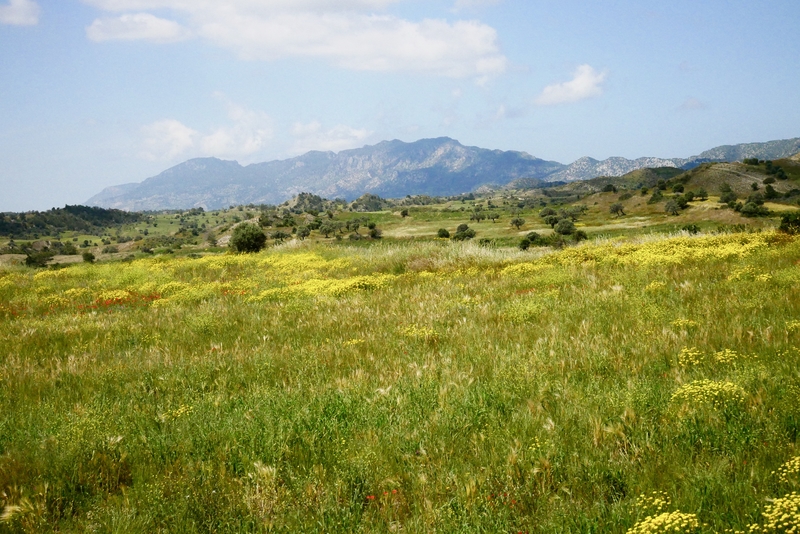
x: 564, y: 227
x: 672, y: 207
x: 517, y: 222
x: 247, y: 238
x: 617, y: 209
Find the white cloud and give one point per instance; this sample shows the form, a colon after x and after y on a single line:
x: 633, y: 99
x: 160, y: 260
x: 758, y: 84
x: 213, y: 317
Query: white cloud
x: 586, y: 83
x: 312, y: 136
x: 20, y: 13
x: 247, y: 133
x: 138, y: 26
x: 348, y: 34
x: 166, y: 140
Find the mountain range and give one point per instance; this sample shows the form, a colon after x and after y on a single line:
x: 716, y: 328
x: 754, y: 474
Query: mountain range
x: 440, y: 166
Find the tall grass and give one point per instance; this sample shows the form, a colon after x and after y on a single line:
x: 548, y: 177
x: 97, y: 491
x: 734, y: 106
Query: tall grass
x: 421, y: 387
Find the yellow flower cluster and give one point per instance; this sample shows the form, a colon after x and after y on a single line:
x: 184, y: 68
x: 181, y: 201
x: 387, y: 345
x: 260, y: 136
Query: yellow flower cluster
x: 352, y: 342
x: 522, y: 311
x: 422, y: 333
x: 673, y: 251
x: 655, y: 503
x: 716, y: 394
x: 177, y: 413
x: 792, y: 326
x: 689, y: 357
x: 334, y: 288
x: 745, y: 273
x: 789, y: 471
x: 666, y: 522
x: 522, y: 269
x: 655, y: 286
x: 685, y: 323
x: 727, y: 356
x: 113, y: 295
x: 783, y: 515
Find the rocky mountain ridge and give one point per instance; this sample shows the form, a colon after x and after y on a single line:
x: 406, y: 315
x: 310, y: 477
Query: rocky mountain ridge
x: 440, y: 166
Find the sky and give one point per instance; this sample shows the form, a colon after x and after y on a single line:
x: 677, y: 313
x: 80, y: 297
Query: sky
x: 95, y: 93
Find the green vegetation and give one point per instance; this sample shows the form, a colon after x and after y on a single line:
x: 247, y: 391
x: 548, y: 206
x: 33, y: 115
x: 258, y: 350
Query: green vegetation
x: 600, y: 361
x: 417, y: 386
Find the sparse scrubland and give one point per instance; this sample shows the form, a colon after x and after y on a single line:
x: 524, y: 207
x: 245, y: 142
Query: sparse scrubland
x: 638, y: 384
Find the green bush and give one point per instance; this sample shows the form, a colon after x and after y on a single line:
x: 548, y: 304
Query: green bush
x: 565, y: 227
x: 443, y: 233
x: 790, y: 223
x: 247, y: 238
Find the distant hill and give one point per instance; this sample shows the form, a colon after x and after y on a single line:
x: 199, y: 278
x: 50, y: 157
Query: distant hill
x: 69, y: 218
x: 390, y: 169
x: 440, y: 166
x: 769, y: 150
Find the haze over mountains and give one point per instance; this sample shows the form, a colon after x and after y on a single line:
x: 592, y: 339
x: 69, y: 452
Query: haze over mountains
x: 439, y: 166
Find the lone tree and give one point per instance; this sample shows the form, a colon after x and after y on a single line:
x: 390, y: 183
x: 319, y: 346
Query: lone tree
x: 327, y: 229
x: 303, y: 232
x: 565, y: 227
x: 247, y: 238
x: 617, y: 209
x: 552, y: 220
x: 517, y: 222
x: 672, y: 207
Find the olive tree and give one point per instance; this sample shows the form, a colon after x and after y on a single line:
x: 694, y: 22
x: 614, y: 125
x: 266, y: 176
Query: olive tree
x: 247, y: 238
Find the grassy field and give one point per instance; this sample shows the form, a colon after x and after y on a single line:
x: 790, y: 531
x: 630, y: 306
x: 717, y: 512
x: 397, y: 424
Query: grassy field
x: 646, y: 383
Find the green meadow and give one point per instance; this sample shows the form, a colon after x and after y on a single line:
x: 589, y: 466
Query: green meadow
x: 643, y: 383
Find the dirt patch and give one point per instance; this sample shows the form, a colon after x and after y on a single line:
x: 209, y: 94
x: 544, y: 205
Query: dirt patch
x: 12, y: 259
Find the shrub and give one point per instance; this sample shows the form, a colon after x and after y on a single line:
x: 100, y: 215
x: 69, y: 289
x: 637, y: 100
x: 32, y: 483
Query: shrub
x: 672, y: 207
x: 247, y: 238
x: 691, y: 228
x: 464, y: 233
x: 580, y: 235
x: 564, y: 227
x: 617, y: 209
x: 609, y: 188
x: 656, y: 197
x: 751, y: 209
x: 517, y: 222
x: 88, y: 257
x: 552, y: 220
x: 769, y: 180
x: 790, y: 223
x: 443, y: 233
x: 524, y: 244
x: 38, y: 259
x: 375, y: 233
x: 677, y: 188
x: 727, y: 197
x: 625, y: 196
x: 546, y: 212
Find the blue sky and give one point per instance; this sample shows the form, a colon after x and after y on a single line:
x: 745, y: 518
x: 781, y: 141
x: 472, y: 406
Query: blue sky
x: 102, y: 92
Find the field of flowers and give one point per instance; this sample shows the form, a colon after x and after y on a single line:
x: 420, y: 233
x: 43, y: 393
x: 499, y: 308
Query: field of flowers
x: 647, y: 385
